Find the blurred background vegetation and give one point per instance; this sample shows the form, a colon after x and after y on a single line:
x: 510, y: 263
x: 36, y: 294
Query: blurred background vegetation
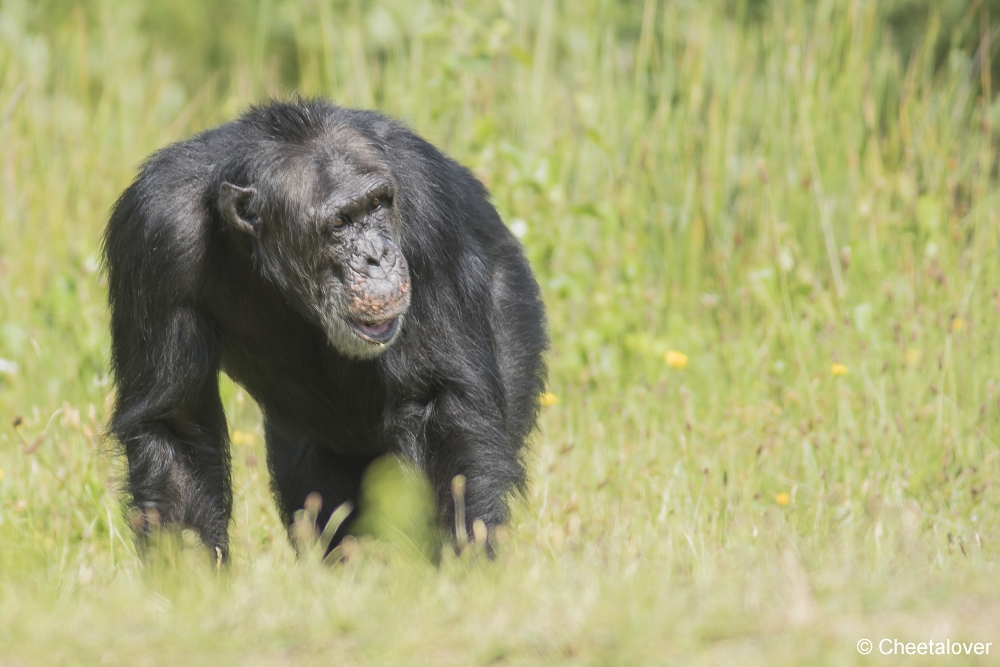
x: 766, y: 235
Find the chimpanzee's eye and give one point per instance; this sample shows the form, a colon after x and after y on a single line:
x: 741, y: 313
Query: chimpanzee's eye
x: 376, y: 203
x: 340, y: 221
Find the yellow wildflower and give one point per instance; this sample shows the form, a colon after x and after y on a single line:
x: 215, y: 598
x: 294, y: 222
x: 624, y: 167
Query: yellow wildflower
x: 957, y: 324
x: 838, y: 369
x: 1, y: 474
x: 548, y: 398
x: 675, y: 359
x: 242, y: 438
x: 912, y: 356
x: 782, y: 498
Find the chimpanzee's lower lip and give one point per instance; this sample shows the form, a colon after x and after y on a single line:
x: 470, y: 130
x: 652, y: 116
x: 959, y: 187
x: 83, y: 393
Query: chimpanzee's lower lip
x: 375, y: 332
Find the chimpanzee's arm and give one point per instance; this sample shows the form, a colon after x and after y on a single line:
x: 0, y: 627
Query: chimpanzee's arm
x: 170, y: 421
x: 453, y: 434
x: 454, y: 411
x: 468, y: 440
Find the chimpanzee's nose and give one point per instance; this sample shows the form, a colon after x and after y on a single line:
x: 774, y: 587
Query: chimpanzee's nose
x: 374, y: 251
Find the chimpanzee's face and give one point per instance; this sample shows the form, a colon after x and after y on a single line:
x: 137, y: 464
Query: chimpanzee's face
x: 332, y: 246
x: 364, y: 281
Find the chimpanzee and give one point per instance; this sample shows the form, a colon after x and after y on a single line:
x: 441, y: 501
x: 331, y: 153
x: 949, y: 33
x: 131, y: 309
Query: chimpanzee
x: 360, y: 286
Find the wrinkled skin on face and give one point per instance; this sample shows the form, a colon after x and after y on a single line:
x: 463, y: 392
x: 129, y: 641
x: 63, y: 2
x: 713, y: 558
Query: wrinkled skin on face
x: 339, y: 259
x: 364, y: 286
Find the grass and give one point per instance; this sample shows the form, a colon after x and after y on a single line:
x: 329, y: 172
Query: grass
x: 774, y: 192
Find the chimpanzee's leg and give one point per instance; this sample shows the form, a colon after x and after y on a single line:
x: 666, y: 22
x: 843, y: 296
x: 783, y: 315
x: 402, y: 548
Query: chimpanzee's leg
x: 299, y: 467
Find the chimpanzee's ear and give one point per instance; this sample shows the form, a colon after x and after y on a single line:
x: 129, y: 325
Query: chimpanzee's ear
x: 236, y: 206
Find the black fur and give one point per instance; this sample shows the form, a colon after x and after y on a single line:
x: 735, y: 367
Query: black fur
x: 200, y: 281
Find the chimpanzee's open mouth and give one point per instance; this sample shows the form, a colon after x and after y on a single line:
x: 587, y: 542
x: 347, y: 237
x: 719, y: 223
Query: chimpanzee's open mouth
x: 377, y: 332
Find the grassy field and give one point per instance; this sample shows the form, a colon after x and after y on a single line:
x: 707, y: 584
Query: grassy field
x: 767, y: 237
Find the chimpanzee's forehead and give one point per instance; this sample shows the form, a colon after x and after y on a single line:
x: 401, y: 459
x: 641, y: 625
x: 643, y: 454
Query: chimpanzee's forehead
x: 347, y: 165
